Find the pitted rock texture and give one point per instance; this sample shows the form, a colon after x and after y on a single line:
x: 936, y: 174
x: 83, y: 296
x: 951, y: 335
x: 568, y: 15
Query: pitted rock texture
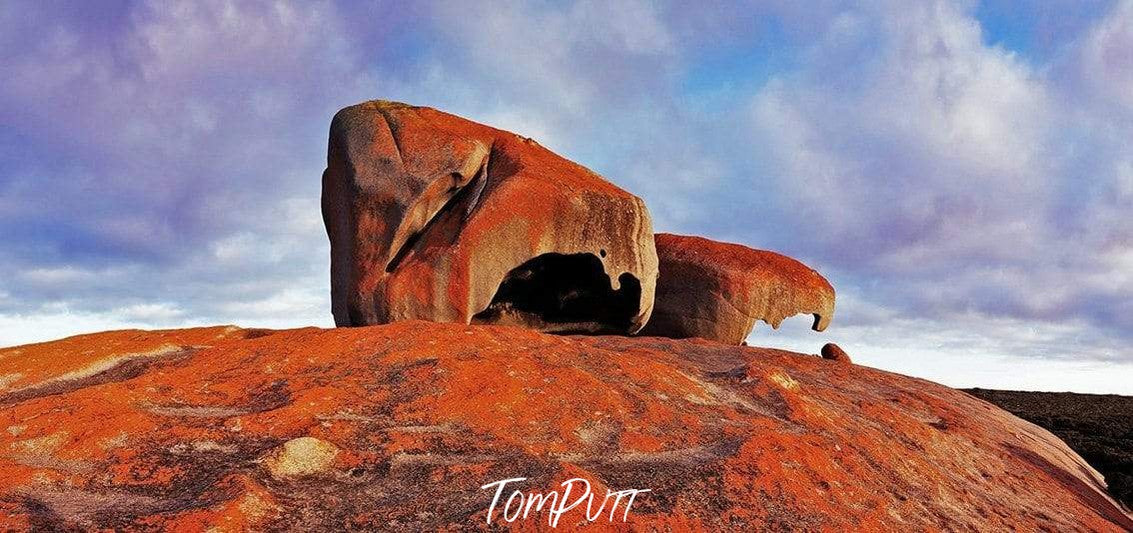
x: 396, y: 427
x: 431, y: 216
x: 717, y: 290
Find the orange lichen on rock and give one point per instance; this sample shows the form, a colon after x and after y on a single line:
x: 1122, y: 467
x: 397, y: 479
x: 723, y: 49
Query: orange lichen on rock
x: 717, y: 290
x: 397, y: 427
x: 435, y: 217
x: 76, y: 361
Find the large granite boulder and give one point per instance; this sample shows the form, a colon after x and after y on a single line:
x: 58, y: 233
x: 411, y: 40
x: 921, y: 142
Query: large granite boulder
x: 717, y: 290
x: 431, y: 216
x: 397, y: 428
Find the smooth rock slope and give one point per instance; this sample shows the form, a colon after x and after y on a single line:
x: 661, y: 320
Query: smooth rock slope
x: 397, y: 427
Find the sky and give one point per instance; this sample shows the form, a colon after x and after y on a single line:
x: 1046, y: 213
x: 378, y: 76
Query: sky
x: 961, y: 171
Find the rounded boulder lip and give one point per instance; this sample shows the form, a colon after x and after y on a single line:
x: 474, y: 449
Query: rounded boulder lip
x: 718, y: 291
x: 428, y: 214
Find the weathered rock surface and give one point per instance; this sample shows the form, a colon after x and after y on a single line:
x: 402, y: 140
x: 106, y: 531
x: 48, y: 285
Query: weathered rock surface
x: 833, y: 352
x: 397, y: 427
x: 431, y: 216
x: 717, y: 290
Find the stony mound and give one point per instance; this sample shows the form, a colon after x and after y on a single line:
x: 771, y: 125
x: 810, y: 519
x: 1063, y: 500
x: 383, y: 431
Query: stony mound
x: 398, y: 427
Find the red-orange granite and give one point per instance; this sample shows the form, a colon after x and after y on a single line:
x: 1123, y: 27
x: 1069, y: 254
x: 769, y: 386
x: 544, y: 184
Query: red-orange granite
x: 429, y: 214
x: 719, y: 290
x: 397, y: 427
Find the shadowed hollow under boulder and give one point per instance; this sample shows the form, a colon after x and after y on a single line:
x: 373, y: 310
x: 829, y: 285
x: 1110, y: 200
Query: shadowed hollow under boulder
x: 717, y: 290
x: 564, y: 294
x: 428, y: 213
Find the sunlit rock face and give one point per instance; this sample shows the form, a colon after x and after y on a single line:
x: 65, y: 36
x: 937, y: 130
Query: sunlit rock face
x: 718, y: 290
x: 435, y: 217
x: 360, y: 428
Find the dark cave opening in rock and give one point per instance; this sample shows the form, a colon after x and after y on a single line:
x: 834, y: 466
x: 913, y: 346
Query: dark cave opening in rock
x: 564, y: 293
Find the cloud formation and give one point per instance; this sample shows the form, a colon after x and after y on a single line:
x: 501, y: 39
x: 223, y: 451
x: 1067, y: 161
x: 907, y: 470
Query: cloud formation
x: 987, y: 183
x: 945, y: 162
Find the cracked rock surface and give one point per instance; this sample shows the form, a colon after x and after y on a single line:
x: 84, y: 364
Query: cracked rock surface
x: 397, y: 427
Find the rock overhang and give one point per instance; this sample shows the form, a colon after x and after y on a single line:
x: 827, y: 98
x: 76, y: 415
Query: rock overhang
x: 429, y: 215
x: 432, y: 216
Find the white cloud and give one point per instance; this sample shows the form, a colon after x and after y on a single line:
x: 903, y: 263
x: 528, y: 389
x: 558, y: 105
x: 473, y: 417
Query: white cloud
x: 290, y: 307
x: 58, y: 322
x: 964, y: 199
x: 939, y: 134
x: 162, y: 312
x: 969, y: 350
x: 1105, y: 59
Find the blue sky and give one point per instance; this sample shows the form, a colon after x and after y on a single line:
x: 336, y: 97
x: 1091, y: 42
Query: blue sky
x: 960, y: 170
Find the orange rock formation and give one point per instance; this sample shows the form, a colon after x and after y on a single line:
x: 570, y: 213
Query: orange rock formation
x: 397, y: 427
x: 431, y: 216
x: 717, y: 290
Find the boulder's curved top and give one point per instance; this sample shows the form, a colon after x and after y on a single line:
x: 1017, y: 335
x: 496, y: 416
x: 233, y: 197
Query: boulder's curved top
x: 397, y: 427
x: 717, y: 290
x: 432, y: 216
x: 833, y: 352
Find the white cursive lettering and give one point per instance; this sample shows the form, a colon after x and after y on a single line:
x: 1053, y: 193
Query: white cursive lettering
x: 531, y: 504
